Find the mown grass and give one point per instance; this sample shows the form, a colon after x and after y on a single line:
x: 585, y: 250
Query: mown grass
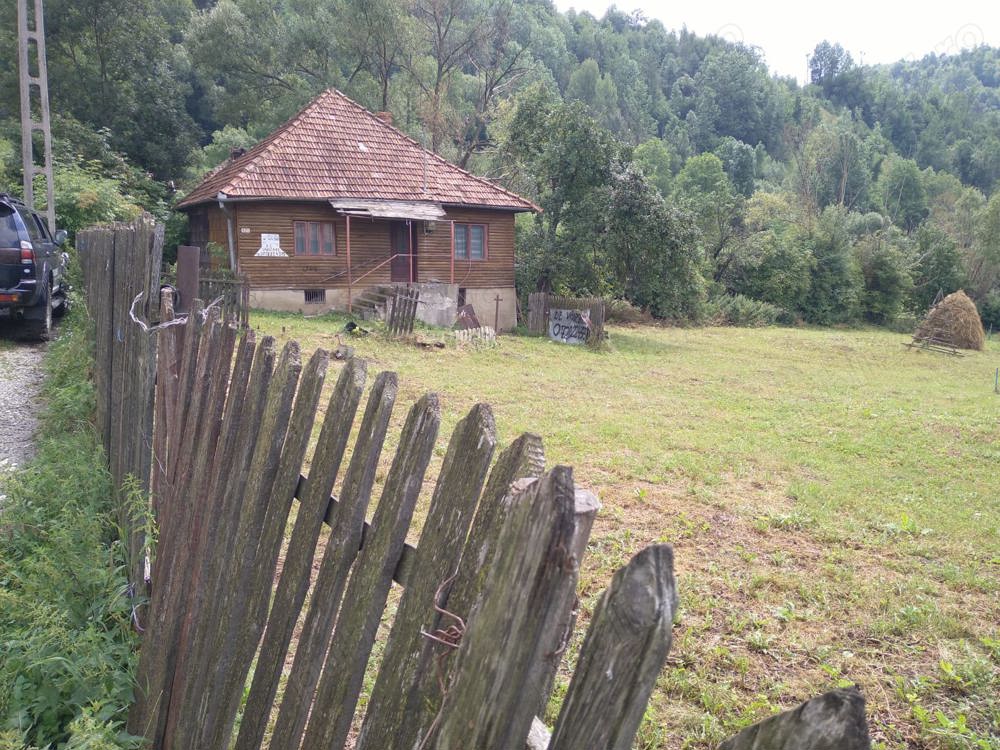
x: 66, y: 645
x: 832, y: 497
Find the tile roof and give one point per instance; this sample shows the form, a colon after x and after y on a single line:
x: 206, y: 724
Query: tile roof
x: 335, y: 148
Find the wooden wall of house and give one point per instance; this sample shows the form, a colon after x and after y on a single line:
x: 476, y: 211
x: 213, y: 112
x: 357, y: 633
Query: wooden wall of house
x: 370, y: 244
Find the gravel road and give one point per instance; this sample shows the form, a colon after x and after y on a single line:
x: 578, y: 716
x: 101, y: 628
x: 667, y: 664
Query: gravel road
x: 20, y: 381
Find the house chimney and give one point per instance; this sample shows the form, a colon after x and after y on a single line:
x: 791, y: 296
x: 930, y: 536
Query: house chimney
x: 236, y: 153
x: 385, y: 117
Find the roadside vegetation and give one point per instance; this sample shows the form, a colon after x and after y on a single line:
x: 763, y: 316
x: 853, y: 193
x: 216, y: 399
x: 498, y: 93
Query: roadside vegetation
x: 827, y: 491
x: 66, y: 642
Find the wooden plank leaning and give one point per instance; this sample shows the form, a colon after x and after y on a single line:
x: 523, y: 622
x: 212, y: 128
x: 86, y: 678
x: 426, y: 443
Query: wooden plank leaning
x: 217, y: 667
x: 257, y: 587
x: 409, y: 650
x: 490, y: 702
x: 294, y: 582
x: 344, y: 667
x: 624, y: 650
x: 346, y: 526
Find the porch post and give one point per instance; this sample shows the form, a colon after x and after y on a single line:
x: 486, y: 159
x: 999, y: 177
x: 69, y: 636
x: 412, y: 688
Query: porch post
x: 350, y: 310
x: 452, y: 254
x: 409, y: 226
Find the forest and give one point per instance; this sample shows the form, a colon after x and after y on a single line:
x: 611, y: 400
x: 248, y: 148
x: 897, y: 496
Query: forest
x: 676, y: 173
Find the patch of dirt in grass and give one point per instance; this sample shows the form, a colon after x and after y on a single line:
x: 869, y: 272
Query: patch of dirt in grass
x: 772, y: 615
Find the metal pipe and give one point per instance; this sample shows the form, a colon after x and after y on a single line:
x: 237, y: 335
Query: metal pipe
x: 409, y: 226
x: 350, y: 309
x: 230, y: 232
x: 452, y: 222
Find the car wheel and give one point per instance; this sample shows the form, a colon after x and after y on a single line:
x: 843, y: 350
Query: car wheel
x: 38, y: 319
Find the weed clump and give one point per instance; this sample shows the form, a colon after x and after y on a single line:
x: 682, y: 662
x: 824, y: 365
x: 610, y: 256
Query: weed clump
x: 67, y: 643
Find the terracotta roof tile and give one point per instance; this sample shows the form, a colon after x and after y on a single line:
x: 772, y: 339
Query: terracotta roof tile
x: 335, y: 148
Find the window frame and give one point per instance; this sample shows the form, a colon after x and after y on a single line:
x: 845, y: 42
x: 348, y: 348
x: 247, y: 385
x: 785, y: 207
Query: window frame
x: 307, y: 225
x: 466, y: 228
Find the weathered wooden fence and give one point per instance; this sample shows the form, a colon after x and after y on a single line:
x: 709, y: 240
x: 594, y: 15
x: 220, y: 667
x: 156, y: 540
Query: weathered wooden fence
x: 121, y: 262
x: 540, y: 304
x: 403, y: 311
x: 231, y: 295
x: 489, y: 594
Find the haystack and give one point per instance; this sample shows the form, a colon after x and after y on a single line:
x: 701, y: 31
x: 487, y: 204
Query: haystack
x: 954, y: 321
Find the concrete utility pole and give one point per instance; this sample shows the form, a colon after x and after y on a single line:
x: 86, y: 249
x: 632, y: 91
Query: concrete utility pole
x: 32, y: 30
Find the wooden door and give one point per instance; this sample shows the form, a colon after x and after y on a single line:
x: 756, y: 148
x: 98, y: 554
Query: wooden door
x: 399, y: 238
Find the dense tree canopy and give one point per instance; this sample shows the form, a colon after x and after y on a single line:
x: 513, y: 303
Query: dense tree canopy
x: 669, y: 165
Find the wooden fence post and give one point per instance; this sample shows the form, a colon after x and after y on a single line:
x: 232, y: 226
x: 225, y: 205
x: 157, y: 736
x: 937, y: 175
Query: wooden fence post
x: 626, y: 645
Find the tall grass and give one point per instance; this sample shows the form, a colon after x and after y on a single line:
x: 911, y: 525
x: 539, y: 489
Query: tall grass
x: 66, y: 645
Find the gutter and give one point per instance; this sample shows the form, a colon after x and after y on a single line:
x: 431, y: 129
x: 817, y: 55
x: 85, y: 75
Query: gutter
x: 230, y: 232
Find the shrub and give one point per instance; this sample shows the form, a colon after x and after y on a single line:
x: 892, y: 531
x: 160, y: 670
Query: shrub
x: 737, y: 310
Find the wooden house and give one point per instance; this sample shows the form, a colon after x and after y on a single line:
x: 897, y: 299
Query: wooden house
x: 337, y: 201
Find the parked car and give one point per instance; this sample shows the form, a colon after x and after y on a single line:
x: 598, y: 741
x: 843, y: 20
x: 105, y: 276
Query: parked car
x: 33, y: 286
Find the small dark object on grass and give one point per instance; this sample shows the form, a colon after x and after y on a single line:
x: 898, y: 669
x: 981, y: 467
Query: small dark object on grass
x: 354, y: 329
x: 429, y: 344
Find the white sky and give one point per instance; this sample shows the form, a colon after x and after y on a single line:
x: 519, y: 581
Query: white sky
x: 874, y: 31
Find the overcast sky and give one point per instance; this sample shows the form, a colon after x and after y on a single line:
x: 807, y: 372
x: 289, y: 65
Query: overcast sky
x: 874, y: 31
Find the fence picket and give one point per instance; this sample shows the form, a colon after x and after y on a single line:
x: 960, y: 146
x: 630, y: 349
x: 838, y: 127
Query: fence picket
x: 344, y: 668
x: 408, y: 655
x: 490, y: 702
x: 624, y: 650
x: 294, y: 582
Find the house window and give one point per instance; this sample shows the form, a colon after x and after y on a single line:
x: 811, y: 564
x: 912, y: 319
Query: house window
x: 315, y: 296
x: 314, y: 238
x: 470, y: 241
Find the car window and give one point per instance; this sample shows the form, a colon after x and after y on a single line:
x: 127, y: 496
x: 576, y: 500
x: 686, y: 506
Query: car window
x: 43, y: 228
x: 32, y: 226
x: 8, y: 228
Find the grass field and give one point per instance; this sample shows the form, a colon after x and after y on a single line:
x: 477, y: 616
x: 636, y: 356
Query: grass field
x: 833, y: 499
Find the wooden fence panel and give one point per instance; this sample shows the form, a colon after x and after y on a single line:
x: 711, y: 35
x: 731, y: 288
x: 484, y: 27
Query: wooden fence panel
x: 344, y: 668
x: 408, y: 656
x: 294, y: 582
x: 347, y: 522
x: 489, y: 595
x: 403, y: 311
x: 625, y: 648
x: 538, y: 312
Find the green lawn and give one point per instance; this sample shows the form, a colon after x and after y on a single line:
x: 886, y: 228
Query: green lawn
x: 832, y: 496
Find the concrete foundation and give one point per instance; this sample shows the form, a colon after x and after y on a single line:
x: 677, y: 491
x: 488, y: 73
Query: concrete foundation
x: 293, y: 300
x: 484, y: 302
x: 439, y: 303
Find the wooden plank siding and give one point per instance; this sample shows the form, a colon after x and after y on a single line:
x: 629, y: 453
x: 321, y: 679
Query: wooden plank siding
x: 370, y: 243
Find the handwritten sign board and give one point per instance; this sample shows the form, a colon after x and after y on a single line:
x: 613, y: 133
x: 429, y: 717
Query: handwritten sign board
x: 270, y: 247
x: 569, y: 326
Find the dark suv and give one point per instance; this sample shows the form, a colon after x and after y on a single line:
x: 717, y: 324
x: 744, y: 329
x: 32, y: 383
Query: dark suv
x: 32, y: 269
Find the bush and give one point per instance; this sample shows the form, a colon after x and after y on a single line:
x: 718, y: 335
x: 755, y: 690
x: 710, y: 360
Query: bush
x: 623, y: 311
x: 65, y: 676
x: 737, y: 310
x: 834, y: 284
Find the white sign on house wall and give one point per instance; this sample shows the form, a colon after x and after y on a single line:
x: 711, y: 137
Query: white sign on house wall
x: 270, y: 247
